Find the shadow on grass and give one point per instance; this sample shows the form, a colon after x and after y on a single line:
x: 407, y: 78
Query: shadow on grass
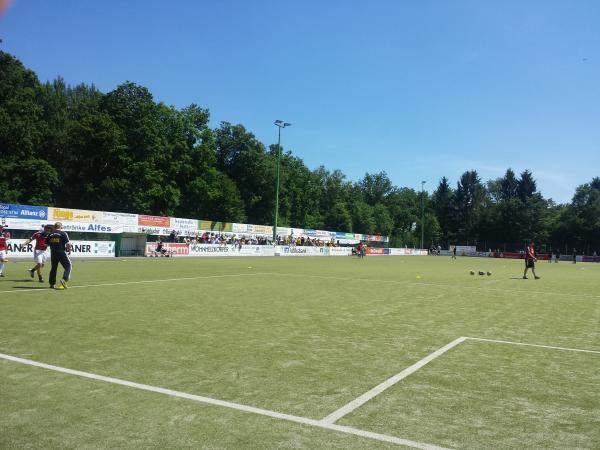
x: 30, y: 287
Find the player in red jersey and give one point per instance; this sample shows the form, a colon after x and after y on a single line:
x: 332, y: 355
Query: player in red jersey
x: 4, y: 237
x: 39, y: 252
x: 530, y: 260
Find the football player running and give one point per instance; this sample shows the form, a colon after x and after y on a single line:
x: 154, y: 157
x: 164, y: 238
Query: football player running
x: 39, y: 252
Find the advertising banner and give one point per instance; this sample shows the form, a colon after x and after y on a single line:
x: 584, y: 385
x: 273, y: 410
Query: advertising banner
x: 376, y: 251
x: 220, y: 227
x: 325, y: 235
x: 285, y: 250
x: 207, y: 250
x: 464, y: 250
x: 310, y: 233
x: 590, y: 259
x: 407, y: 252
x: 260, y: 229
x: 284, y: 231
x: 23, y: 224
x: 239, y: 227
x: 184, y: 225
x: 153, y: 221
x: 348, y: 241
x: 74, y: 215
x: 87, y: 249
x: 171, y: 248
x: 339, y: 251
x: 91, y: 227
x: 510, y: 255
x: 129, y: 220
x: 10, y: 211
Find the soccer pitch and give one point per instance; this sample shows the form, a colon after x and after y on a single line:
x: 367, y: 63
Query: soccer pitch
x: 302, y: 353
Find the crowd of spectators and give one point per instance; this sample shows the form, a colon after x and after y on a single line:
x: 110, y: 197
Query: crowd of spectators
x: 238, y: 240
x: 301, y: 241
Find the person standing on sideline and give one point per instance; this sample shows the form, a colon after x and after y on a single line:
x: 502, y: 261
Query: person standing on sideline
x: 60, y: 249
x: 530, y: 260
x: 4, y: 237
x: 454, y: 252
x: 39, y: 252
x: 574, y: 256
x: 557, y: 256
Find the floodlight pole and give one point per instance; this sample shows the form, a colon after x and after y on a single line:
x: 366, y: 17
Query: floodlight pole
x: 279, y: 124
x: 422, y: 214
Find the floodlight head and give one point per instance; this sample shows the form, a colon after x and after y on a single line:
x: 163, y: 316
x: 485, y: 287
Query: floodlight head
x: 287, y: 124
x: 278, y: 122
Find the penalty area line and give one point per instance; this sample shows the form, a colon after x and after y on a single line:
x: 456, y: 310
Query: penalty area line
x: 359, y: 401
x: 124, y: 283
x: 227, y: 404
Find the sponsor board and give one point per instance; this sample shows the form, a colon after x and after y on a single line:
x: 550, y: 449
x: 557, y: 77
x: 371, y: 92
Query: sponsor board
x: 310, y: 233
x: 10, y: 211
x: 348, y: 241
x: 464, y: 250
x: 376, y: 251
x: 150, y: 230
x: 23, y: 224
x: 116, y: 218
x: 511, y: 255
x: 208, y: 225
x: 260, y: 229
x: 182, y: 225
x: 153, y: 221
x: 92, y: 227
x: 325, y: 234
x: 283, y: 231
x: 590, y: 258
x: 18, y: 224
x: 287, y: 250
x: 74, y: 215
x: 239, y: 227
x: 407, y: 252
x: 338, y: 251
x: 172, y: 248
x: 208, y: 250
x: 87, y: 249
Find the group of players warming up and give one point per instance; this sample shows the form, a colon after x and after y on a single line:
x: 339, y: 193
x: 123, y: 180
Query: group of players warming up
x: 60, y: 248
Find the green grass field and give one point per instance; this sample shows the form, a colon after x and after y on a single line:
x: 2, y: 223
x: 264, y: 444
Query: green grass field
x: 302, y: 337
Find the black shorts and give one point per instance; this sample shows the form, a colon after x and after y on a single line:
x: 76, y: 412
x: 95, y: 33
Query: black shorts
x: 529, y: 263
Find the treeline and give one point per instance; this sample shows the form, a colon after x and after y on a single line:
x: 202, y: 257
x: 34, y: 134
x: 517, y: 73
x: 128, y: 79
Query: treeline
x: 75, y: 146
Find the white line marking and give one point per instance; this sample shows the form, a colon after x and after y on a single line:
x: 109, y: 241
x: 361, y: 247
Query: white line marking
x: 231, y: 405
x: 534, y: 345
x: 123, y: 283
x: 359, y: 401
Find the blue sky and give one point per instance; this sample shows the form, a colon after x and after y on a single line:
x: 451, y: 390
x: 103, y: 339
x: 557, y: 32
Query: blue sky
x: 419, y: 89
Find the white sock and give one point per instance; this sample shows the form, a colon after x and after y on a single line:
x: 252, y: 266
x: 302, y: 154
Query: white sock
x: 1, y: 267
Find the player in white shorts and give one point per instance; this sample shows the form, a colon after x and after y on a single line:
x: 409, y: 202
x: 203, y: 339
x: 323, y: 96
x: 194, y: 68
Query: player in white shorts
x: 4, y: 237
x: 39, y: 252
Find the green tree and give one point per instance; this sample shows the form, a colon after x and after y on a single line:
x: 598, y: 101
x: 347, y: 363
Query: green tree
x: 443, y: 203
x: 469, y: 197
